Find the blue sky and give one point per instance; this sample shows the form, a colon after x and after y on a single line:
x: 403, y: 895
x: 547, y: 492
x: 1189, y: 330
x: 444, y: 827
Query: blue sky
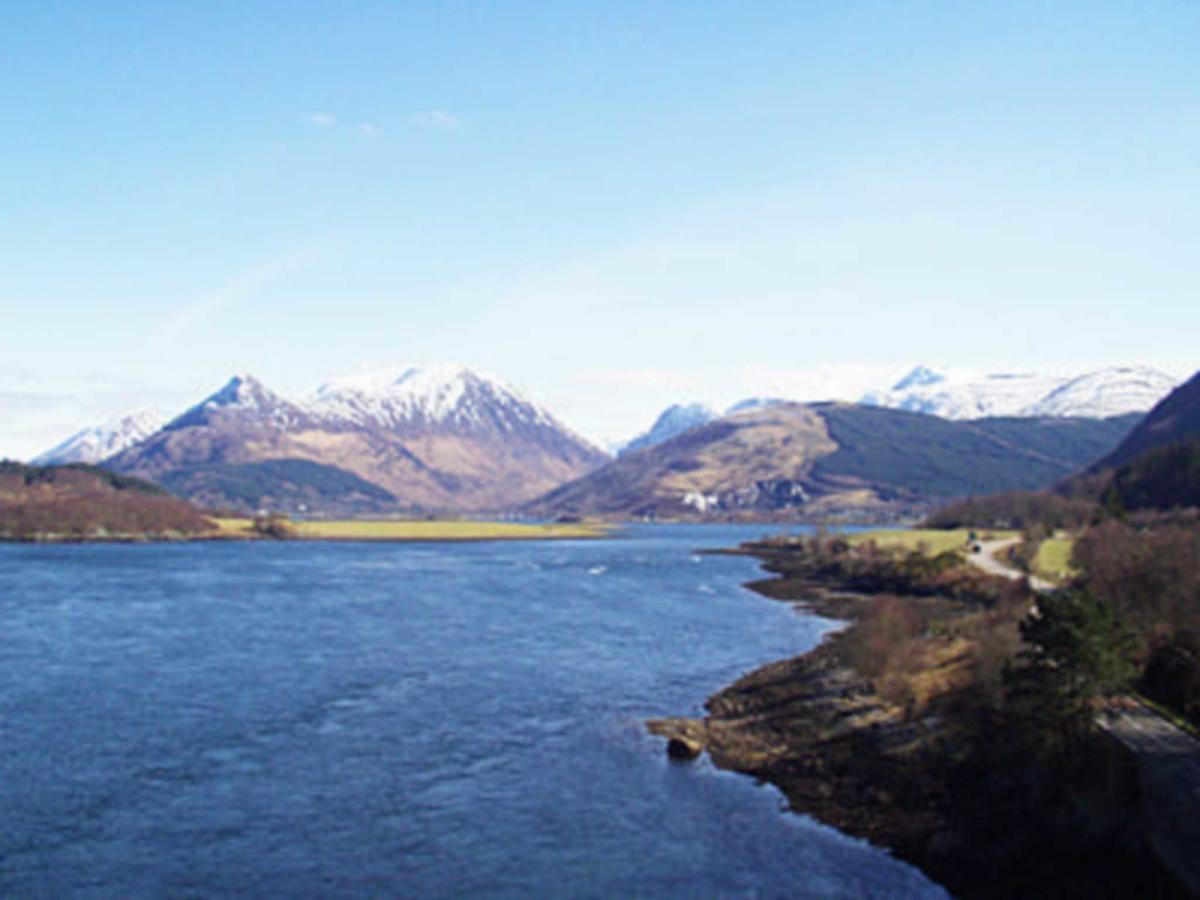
x: 613, y: 205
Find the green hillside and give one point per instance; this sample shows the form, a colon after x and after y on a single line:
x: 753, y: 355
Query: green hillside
x: 296, y: 486
x: 1163, y: 478
x: 1175, y: 419
x: 929, y: 456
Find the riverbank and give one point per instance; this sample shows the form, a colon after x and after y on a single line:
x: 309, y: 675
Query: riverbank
x: 238, y: 529
x: 914, y: 757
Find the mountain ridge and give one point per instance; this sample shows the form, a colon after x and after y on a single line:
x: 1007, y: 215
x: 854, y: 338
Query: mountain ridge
x: 1112, y: 391
x: 459, y: 442
x: 829, y: 460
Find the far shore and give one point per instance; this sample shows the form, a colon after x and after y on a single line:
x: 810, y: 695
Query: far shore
x: 349, y: 530
x: 402, y: 530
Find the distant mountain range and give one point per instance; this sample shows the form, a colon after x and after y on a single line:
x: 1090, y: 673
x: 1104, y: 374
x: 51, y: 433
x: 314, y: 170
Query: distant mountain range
x: 1176, y: 419
x: 451, y: 439
x: 91, y: 445
x: 832, y: 460
x: 1094, y: 395
x: 422, y: 440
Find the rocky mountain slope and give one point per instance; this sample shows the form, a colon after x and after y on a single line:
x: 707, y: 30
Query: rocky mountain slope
x: 447, y: 439
x: 1099, y: 394
x: 804, y: 461
x: 98, y: 442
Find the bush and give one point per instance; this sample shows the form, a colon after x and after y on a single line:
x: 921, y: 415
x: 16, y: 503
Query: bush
x: 273, y: 525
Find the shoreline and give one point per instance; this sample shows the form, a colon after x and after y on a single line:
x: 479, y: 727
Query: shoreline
x: 972, y: 817
x: 346, y: 531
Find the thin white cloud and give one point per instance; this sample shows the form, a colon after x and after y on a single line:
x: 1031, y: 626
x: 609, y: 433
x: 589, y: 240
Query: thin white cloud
x: 238, y: 289
x: 658, y: 380
x: 843, y: 381
x: 367, y: 130
x: 322, y: 120
x: 437, y: 118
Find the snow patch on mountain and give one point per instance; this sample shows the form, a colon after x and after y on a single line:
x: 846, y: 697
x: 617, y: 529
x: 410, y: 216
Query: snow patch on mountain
x: 247, y: 399
x: 1099, y: 394
x: 439, y: 396
x: 673, y: 420
x: 1108, y: 392
x: 98, y: 442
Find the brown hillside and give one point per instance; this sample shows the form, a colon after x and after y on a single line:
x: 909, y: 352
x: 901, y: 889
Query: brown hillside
x: 81, y: 502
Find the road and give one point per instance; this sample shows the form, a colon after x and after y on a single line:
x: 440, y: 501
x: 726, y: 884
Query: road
x: 1168, y: 761
x: 990, y: 559
x: 1168, y: 758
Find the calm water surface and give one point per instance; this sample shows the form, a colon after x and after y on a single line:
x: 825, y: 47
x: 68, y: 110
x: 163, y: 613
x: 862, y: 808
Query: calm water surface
x: 392, y: 719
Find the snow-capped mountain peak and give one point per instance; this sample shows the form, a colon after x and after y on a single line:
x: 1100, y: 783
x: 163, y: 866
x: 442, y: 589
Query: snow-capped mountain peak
x: 244, y: 392
x: 1099, y: 394
x: 99, y: 442
x: 1107, y: 392
x: 246, y: 398
x: 921, y: 376
x: 674, y: 420
x: 448, y: 396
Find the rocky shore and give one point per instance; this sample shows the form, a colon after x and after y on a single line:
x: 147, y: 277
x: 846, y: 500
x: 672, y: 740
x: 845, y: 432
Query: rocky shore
x: 943, y: 788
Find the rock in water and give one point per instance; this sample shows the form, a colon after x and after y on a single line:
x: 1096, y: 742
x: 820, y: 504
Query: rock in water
x: 683, y: 748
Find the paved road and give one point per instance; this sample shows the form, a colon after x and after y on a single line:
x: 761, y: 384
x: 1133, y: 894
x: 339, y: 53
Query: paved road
x: 1143, y: 730
x: 1168, y: 758
x: 990, y: 559
x: 1169, y: 771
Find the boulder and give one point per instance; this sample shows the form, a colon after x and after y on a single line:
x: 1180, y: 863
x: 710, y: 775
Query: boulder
x: 683, y: 748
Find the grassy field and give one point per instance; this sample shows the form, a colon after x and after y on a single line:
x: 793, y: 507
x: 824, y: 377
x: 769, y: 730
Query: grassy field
x: 441, y: 530
x: 1053, y: 560
x: 936, y: 541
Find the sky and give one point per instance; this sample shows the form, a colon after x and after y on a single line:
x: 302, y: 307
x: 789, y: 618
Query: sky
x: 614, y: 206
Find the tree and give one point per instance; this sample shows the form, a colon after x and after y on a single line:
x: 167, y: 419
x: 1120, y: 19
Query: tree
x: 1077, y: 650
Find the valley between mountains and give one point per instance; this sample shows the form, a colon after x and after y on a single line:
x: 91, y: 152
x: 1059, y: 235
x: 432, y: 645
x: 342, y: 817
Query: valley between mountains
x: 454, y: 441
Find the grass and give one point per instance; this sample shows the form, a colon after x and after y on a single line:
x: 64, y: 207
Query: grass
x: 1053, y: 560
x: 936, y: 541
x: 422, y: 530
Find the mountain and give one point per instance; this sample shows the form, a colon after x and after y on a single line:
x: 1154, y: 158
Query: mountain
x: 98, y: 442
x: 1161, y: 478
x: 682, y: 416
x: 1098, y: 394
x: 920, y: 377
x: 805, y: 461
x: 1174, y: 420
x: 78, y: 502
x: 439, y: 439
x: 417, y: 401
x: 672, y: 421
x: 1107, y: 392
x: 242, y: 422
